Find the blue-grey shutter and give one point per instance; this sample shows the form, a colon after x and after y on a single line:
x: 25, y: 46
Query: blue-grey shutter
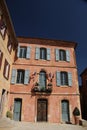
x: 58, y: 78
x: 18, y: 51
x: 57, y: 54
x: 37, y: 53
x: 67, y: 55
x: 69, y: 78
x: 26, y: 77
x: 13, y: 76
x: 28, y: 52
x: 48, y: 53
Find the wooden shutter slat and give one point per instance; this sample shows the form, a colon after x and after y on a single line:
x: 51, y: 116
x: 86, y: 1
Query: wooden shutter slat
x: 26, y: 77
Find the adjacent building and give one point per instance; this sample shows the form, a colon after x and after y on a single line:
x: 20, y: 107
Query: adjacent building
x: 44, y: 81
x: 83, y: 91
x: 8, y: 45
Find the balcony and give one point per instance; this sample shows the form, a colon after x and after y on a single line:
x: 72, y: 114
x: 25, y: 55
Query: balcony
x: 37, y: 88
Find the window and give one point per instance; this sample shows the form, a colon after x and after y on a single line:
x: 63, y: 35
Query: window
x: 42, y: 53
x: 20, y: 76
x: 62, y: 55
x: 6, y: 69
x: 2, y: 27
x: 42, y: 79
x: 65, y: 111
x: 24, y: 52
x: 9, y: 45
x: 63, y: 78
x: 1, y: 56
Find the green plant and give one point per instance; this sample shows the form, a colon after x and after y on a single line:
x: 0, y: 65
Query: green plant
x: 9, y: 114
x: 76, y: 112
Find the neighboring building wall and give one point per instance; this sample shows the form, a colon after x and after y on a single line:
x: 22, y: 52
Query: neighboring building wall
x: 83, y: 91
x: 8, y: 45
x: 56, y: 105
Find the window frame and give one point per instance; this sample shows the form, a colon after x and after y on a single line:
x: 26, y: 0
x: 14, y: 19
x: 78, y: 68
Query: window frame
x: 42, y: 75
x: 9, y: 44
x: 23, y: 52
x: 6, y: 70
x: 43, y: 53
x: 64, y: 78
x: 2, y: 26
x: 62, y: 55
x: 1, y: 57
x: 20, y: 75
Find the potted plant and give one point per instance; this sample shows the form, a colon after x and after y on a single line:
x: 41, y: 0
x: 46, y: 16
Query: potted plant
x: 9, y: 114
x: 76, y: 114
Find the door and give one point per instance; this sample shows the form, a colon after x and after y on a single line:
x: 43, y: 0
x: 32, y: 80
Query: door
x: 65, y: 111
x: 17, y: 109
x: 42, y: 110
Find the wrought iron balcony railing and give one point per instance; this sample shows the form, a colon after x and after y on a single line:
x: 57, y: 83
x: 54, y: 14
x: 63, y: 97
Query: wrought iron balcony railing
x: 47, y: 89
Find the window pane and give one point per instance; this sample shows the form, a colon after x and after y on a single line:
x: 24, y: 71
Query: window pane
x: 62, y: 55
x: 42, y: 79
x: 23, y: 52
x: 43, y: 53
x: 64, y: 78
x: 20, y: 76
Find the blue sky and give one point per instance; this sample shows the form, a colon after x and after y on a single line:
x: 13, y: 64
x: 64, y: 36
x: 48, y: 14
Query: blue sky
x: 53, y: 19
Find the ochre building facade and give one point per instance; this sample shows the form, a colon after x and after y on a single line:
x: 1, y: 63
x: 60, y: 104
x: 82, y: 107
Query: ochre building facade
x: 44, y: 81
x: 8, y: 45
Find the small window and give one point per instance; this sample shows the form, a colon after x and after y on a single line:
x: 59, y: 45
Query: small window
x: 20, y: 76
x: 9, y: 45
x: 23, y: 51
x: 62, y: 54
x: 43, y: 53
x: 2, y: 27
x: 64, y: 78
x: 6, y: 69
x: 1, y: 56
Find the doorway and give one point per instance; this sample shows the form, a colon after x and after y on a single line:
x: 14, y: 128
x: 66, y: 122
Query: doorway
x: 42, y: 106
x: 17, y: 109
